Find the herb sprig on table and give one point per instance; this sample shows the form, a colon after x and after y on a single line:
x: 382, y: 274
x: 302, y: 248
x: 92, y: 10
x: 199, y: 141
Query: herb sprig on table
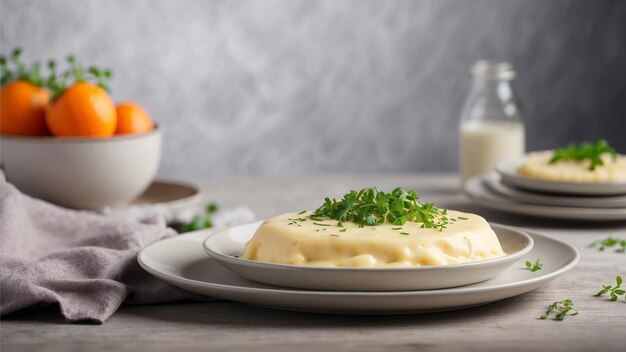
x: 203, y: 221
x: 371, y: 207
x: 610, y: 242
x: 613, y: 291
x: 584, y: 151
x: 561, y: 309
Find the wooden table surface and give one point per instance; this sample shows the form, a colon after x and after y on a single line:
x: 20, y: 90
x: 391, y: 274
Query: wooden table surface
x: 509, y: 325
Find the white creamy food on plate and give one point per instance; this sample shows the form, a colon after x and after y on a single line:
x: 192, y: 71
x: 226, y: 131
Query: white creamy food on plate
x: 585, y: 163
x: 306, y: 238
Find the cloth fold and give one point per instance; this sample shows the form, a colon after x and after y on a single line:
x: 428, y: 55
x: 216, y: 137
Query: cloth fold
x: 85, y: 262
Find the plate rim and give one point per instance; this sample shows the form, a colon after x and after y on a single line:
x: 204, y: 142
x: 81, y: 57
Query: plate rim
x: 304, y: 292
x: 277, y: 266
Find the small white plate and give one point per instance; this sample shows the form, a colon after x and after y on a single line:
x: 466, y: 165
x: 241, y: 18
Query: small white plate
x: 493, y: 182
x: 175, y: 201
x: 175, y: 195
x: 480, y: 194
x: 181, y: 261
x: 224, y: 245
x: 508, y: 170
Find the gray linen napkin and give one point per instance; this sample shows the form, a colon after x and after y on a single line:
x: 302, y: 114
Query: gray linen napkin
x: 85, y: 262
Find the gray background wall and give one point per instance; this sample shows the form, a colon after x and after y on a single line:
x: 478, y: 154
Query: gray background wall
x: 292, y: 87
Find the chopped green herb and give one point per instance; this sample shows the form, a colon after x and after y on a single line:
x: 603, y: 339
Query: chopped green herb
x: 610, y: 242
x: 212, y: 208
x: 584, y: 151
x: 613, y: 291
x: 396, y: 228
x: 318, y: 224
x: 463, y: 218
x: 536, y: 266
x: 343, y: 230
x: 302, y: 212
x: 371, y: 207
x: 405, y: 233
x: 561, y: 309
x: 332, y: 234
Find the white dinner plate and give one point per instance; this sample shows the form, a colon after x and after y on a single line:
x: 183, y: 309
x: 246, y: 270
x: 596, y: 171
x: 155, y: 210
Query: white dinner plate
x: 226, y: 244
x: 493, y: 181
x: 480, y: 194
x: 181, y: 261
x: 508, y: 170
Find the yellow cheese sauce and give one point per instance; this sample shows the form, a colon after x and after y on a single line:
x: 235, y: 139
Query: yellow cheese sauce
x: 537, y: 165
x: 288, y: 239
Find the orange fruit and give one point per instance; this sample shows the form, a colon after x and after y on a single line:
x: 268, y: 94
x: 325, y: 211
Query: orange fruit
x: 22, y: 109
x: 132, y: 118
x: 83, y: 110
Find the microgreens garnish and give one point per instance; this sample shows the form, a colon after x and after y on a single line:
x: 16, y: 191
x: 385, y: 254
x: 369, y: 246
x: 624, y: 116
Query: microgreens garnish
x: 561, y: 309
x: 610, y: 242
x: 536, y: 266
x: 584, y: 151
x: 371, y: 207
x: 613, y: 291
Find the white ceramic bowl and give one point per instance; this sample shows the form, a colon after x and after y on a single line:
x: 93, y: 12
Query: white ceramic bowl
x: 82, y: 173
x: 224, y: 245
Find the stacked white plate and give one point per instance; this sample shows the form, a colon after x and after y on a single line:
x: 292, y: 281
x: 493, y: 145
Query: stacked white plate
x: 503, y: 189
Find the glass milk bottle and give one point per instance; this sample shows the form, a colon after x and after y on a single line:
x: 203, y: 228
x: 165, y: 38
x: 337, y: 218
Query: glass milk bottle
x: 492, y: 127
